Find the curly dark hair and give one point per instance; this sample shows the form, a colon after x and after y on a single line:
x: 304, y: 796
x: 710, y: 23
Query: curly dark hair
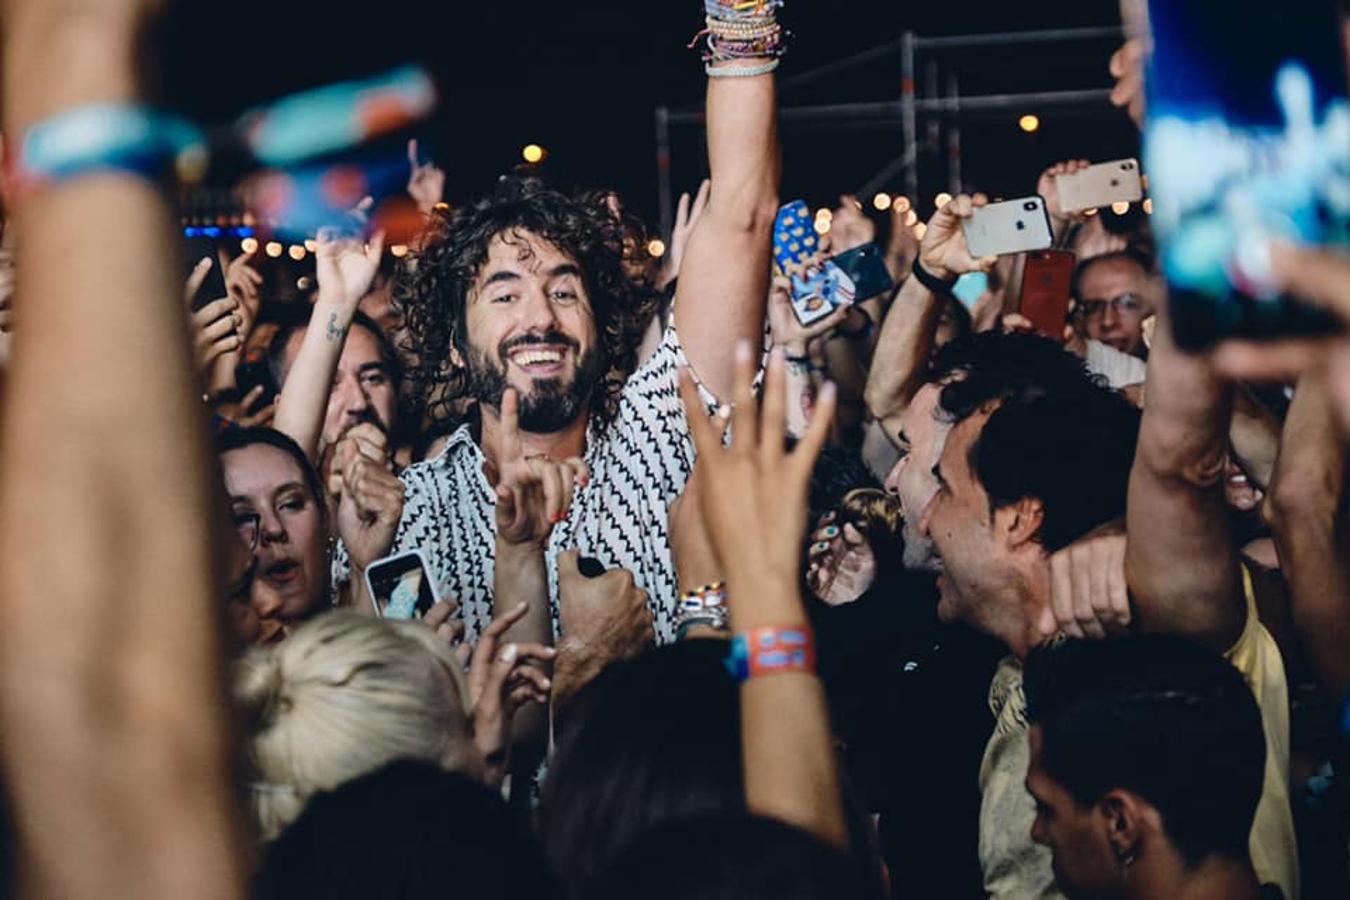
x: 432, y: 287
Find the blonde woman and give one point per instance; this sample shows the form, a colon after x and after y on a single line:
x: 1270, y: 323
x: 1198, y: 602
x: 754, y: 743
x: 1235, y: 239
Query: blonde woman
x: 346, y: 694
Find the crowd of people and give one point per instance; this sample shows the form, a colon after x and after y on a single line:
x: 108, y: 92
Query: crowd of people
x: 911, y: 601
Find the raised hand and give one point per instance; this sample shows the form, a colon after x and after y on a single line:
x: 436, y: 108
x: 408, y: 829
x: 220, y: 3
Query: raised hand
x: 243, y: 282
x: 1048, y: 187
x: 840, y: 563
x: 753, y: 493
x: 500, y: 682
x: 426, y: 181
x: 1127, y: 68
x: 247, y: 413
x: 943, y: 250
x: 215, y: 332
x: 345, y: 266
x: 850, y: 227
x: 602, y: 619
x: 686, y: 218
x: 786, y: 329
x: 1089, y: 597
x: 534, y: 493
x: 369, y: 497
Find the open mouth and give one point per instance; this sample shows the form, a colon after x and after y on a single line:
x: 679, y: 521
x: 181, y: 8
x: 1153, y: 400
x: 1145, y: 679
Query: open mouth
x: 538, y: 360
x: 280, y: 573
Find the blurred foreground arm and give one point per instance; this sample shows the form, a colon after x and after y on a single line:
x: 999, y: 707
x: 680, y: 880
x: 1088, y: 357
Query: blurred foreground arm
x: 116, y: 750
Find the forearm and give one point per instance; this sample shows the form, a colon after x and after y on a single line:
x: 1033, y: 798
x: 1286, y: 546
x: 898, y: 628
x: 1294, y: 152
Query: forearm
x: 1181, y: 564
x: 131, y: 699
x: 521, y: 576
x: 1305, y: 511
x: 304, y: 399
x: 902, y: 350
x: 1255, y: 437
x: 791, y: 772
x: 724, y: 277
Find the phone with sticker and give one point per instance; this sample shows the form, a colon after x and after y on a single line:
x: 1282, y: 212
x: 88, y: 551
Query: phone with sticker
x: 818, y: 285
x: 400, y: 586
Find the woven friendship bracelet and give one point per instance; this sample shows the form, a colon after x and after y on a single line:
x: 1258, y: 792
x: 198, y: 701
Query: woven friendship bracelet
x: 741, y: 30
x: 740, y: 71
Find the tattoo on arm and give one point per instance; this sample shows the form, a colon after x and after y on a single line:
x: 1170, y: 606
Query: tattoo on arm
x: 336, y: 332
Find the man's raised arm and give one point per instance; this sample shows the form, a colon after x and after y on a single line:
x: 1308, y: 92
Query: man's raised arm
x: 1180, y: 563
x: 724, y: 278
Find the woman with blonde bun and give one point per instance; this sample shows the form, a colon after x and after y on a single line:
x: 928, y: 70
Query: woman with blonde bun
x: 346, y: 694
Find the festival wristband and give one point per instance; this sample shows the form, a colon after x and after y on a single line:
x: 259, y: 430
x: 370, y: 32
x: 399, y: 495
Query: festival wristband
x: 929, y: 280
x: 771, y: 651
x: 109, y: 137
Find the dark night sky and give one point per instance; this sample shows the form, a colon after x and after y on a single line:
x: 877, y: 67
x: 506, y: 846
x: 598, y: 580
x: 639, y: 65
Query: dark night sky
x: 583, y: 78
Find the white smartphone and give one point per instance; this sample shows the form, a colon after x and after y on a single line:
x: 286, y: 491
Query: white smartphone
x: 1100, y: 185
x: 1013, y: 226
x: 400, y: 585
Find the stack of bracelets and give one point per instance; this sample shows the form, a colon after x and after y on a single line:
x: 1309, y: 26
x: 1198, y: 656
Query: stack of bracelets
x: 705, y: 607
x: 742, y: 30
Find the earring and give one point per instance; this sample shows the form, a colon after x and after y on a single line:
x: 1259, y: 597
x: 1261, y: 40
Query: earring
x: 1127, y: 857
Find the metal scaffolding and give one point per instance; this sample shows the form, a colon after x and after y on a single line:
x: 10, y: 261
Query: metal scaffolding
x: 937, y: 102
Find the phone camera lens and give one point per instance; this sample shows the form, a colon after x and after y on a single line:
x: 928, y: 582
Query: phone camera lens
x: 1029, y: 206
x: 1127, y: 166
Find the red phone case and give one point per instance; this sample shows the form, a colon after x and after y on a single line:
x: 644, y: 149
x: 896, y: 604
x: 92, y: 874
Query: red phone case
x: 1046, y: 282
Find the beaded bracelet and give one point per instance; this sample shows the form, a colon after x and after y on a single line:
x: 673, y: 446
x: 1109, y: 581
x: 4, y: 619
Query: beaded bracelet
x: 741, y: 71
x: 771, y: 651
x: 706, y: 606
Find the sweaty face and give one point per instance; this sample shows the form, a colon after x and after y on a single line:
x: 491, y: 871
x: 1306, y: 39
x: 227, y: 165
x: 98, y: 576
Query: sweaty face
x: 531, y: 327
x: 363, y: 389
x: 960, y: 525
x: 292, y: 565
x: 1112, y: 304
x: 1085, y: 866
x: 921, y: 436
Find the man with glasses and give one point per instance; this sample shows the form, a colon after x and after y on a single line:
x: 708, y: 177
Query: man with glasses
x: 1111, y: 301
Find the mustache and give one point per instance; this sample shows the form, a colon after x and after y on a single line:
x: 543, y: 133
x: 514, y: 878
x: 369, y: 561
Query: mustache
x: 554, y: 338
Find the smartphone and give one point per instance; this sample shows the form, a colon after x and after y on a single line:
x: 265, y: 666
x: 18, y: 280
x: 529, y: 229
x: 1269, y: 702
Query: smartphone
x: 400, y: 586
x: 254, y: 373
x: 794, y: 236
x: 865, y: 268
x: 1247, y: 140
x: 1013, y: 226
x: 1100, y: 185
x: 213, y: 288
x: 1047, y: 279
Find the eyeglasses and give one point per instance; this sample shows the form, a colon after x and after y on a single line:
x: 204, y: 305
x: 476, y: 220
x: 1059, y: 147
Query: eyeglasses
x: 249, y: 526
x: 1092, y: 309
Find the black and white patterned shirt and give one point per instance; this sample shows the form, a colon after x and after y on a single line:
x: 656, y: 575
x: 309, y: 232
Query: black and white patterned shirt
x: 639, y: 464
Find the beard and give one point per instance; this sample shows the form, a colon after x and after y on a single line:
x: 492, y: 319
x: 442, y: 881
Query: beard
x: 551, y: 404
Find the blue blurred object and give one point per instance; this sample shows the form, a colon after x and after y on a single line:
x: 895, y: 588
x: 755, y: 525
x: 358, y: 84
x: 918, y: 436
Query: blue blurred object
x: 338, y: 116
x: 970, y: 287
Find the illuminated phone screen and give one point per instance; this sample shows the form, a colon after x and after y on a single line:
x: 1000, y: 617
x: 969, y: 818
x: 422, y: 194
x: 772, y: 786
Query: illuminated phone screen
x: 1248, y: 139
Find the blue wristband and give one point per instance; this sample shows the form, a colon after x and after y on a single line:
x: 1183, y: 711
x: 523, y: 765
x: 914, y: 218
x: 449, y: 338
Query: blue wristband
x: 111, y: 137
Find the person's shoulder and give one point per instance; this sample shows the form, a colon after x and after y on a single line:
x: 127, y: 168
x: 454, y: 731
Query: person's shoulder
x: 452, y: 450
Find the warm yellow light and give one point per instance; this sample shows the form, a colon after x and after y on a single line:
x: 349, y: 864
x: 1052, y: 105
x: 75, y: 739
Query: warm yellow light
x: 656, y: 248
x: 297, y: 252
x: 249, y: 245
x: 311, y: 245
x: 823, y: 226
x: 273, y: 249
x: 920, y: 230
x: 1029, y: 123
x: 398, y: 250
x: 1148, y: 205
x: 1120, y: 207
x: 533, y: 153
x: 942, y: 200
x: 825, y: 213
x: 882, y: 200
x: 901, y: 204
x: 911, y: 217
